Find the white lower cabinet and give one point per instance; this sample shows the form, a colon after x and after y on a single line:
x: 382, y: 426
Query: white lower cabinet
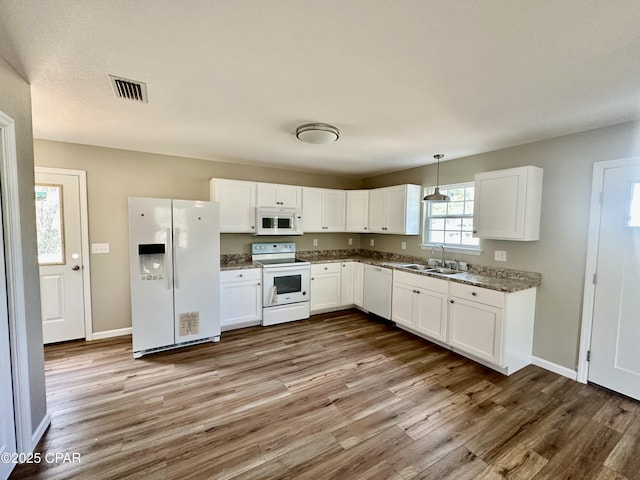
x: 491, y: 327
x: 358, y: 283
x: 346, y: 283
x: 240, y: 298
x: 420, y: 304
x: 326, y: 289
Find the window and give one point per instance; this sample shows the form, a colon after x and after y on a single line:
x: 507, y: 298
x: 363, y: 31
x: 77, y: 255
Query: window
x: 451, y: 223
x: 49, y: 224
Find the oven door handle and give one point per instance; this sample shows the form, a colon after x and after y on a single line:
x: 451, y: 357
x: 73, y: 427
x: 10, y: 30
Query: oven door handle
x: 292, y: 268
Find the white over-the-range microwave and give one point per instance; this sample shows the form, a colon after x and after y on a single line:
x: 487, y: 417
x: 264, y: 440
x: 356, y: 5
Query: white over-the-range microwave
x: 278, y: 221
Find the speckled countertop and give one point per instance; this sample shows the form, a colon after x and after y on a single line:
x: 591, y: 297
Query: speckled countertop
x: 493, y: 278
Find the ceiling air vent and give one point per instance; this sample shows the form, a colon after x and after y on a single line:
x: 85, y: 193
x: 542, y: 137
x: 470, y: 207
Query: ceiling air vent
x: 129, y: 89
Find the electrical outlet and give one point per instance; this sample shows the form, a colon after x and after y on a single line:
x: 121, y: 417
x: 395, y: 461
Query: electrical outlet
x: 350, y: 241
x: 403, y: 245
x: 99, y: 248
x: 500, y: 256
x: 372, y: 242
x: 315, y: 242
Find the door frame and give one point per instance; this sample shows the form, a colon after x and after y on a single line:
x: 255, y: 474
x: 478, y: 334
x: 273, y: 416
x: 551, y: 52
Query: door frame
x: 589, y: 291
x: 26, y: 437
x: 84, y: 233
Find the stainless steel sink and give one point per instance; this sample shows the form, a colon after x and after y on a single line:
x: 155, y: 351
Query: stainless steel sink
x: 443, y: 270
x: 429, y: 269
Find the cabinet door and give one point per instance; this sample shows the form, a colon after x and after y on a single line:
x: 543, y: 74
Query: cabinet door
x: 289, y: 196
x: 476, y: 329
x: 376, y: 210
x: 507, y: 204
x: 402, y: 304
x: 346, y: 283
x: 358, y: 284
x: 334, y: 204
x: 240, y: 304
x: 312, y: 209
x: 267, y: 195
x: 394, y: 210
x: 357, y: 211
x: 431, y: 313
x: 325, y: 286
x: 237, y: 204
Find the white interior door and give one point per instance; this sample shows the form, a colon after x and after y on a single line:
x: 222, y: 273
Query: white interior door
x: 615, y: 356
x: 60, y: 256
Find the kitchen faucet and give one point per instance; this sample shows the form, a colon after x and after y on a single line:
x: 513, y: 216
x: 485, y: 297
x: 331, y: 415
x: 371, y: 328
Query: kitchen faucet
x: 441, y: 245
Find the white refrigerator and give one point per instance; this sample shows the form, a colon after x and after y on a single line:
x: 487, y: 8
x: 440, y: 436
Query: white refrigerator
x: 174, y: 247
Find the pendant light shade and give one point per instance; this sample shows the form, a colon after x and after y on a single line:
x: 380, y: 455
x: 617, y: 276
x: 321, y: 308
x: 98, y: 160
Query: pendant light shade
x: 317, y: 133
x: 436, y: 196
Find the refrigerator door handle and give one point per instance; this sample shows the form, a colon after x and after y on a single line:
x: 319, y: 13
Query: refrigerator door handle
x: 176, y: 233
x: 166, y: 266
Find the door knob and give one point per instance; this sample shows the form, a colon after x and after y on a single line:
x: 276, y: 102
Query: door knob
x: 75, y: 268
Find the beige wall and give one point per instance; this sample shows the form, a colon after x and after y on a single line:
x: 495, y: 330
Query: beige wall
x: 15, y: 101
x: 560, y: 253
x: 114, y: 175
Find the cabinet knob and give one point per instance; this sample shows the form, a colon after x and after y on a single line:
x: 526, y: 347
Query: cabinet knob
x: 240, y: 275
x: 312, y: 278
x: 475, y: 231
x: 253, y: 226
x: 326, y: 268
x: 259, y: 284
x: 450, y: 301
x: 365, y: 228
x: 474, y: 293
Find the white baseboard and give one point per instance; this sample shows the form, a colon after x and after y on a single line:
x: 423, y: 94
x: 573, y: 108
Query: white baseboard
x: 39, y: 432
x: 111, y: 333
x: 555, y: 368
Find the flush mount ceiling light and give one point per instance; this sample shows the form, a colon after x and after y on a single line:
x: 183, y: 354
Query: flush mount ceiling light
x: 437, y: 196
x: 317, y: 133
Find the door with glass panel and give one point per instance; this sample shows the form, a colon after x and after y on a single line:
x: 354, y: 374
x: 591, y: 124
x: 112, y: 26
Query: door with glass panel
x: 60, y: 256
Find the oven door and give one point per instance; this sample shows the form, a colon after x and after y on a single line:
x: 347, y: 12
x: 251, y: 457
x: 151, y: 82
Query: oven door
x: 286, y: 284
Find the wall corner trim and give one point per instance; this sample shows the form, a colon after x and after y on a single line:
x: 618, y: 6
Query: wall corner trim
x: 555, y: 368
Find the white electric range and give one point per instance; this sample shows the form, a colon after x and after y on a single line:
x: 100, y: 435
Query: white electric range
x: 286, y: 282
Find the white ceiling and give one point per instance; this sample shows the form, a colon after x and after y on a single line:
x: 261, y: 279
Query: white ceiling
x: 401, y: 79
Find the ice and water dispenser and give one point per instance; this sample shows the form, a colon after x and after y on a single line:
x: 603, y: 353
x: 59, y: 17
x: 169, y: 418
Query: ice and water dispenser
x: 152, y: 259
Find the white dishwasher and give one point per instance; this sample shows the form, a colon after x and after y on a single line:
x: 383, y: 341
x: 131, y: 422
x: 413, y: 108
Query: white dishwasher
x: 377, y: 290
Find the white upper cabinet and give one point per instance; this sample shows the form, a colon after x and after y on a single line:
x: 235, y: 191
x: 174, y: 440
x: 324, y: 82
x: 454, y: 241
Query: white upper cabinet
x: 237, y: 204
x: 323, y: 209
x: 358, y: 211
x: 395, y: 210
x: 507, y: 204
x: 275, y: 195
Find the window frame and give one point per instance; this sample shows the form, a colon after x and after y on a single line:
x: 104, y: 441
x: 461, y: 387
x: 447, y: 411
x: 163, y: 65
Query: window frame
x: 449, y: 247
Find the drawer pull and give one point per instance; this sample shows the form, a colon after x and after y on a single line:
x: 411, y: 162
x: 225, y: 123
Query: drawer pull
x: 474, y: 293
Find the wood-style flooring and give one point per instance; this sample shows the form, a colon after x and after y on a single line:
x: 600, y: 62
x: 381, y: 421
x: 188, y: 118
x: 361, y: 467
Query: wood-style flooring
x: 340, y: 396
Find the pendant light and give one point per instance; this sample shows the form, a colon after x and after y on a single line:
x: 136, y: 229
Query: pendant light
x: 437, y: 196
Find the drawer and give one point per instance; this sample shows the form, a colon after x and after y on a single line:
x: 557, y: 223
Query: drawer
x: 320, y: 268
x: 421, y: 281
x: 477, y: 294
x: 241, y: 275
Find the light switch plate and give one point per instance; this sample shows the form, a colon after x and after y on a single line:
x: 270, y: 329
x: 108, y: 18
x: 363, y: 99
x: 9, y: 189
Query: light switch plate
x: 500, y: 256
x: 99, y: 248
x: 315, y: 242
